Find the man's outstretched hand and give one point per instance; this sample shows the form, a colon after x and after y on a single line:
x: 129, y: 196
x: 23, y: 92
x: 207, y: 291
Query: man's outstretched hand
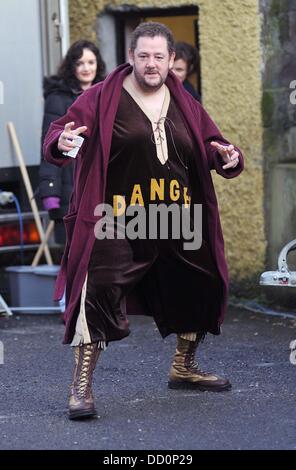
x: 65, y: 142
x: 228, y: 153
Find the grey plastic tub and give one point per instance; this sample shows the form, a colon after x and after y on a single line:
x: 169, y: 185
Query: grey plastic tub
x: 31, y: 289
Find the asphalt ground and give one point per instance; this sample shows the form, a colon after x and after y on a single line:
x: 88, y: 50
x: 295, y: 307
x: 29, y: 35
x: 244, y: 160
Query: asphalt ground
x: 136, y: 410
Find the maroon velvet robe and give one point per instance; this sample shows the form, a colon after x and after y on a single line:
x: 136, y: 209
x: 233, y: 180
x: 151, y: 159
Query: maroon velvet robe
x: 96, y: 109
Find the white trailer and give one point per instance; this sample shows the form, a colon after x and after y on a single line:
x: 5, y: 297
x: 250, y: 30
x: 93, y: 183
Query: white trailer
x: 34, y: 35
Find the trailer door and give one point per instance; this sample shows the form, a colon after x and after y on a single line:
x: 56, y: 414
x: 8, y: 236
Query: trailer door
x: 55, y: 33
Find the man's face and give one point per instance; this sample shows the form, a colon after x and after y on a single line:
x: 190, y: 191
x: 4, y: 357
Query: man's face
x: 151, y: 62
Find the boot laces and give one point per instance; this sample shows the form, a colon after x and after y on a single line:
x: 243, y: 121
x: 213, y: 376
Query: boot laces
x: 193, y: 365
x: 85, y: 373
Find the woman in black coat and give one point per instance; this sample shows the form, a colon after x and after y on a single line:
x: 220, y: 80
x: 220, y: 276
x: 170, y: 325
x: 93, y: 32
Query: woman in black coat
x: 81, y: 68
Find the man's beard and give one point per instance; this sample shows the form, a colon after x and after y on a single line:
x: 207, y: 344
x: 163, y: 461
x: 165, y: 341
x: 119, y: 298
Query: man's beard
x: 147, y: 86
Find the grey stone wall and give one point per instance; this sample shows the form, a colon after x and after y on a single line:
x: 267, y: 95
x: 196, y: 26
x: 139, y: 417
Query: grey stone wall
x: 279, y: 118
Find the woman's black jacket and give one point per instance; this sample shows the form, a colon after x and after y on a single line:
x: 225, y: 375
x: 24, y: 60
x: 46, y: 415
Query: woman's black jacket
x: 53, y: 180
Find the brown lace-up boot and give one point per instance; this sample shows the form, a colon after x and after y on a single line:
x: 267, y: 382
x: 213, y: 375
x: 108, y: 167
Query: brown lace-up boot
x: 81, y: 403
x: 185, y: 373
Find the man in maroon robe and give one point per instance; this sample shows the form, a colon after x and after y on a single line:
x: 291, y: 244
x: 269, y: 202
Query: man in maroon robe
x: 146, y: 140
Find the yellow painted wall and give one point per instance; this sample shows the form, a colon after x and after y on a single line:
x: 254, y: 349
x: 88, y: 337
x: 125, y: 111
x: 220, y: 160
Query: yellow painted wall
x: 230, y: 70
x: 230, y: 55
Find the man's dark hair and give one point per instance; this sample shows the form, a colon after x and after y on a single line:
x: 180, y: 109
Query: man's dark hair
x: 152, y: 29
x: 67, y: 68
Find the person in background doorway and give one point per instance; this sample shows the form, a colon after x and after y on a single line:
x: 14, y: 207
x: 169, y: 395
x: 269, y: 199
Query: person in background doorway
x: 80, y: 69
x: 185, y: 64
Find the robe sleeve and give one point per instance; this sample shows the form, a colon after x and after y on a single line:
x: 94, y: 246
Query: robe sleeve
x: 82, y: 113
x: 209, y: 133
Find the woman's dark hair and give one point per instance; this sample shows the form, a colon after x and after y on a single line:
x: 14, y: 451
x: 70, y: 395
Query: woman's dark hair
x: 152, y: 29
x: 189, y: 54
x: 66, y: 70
